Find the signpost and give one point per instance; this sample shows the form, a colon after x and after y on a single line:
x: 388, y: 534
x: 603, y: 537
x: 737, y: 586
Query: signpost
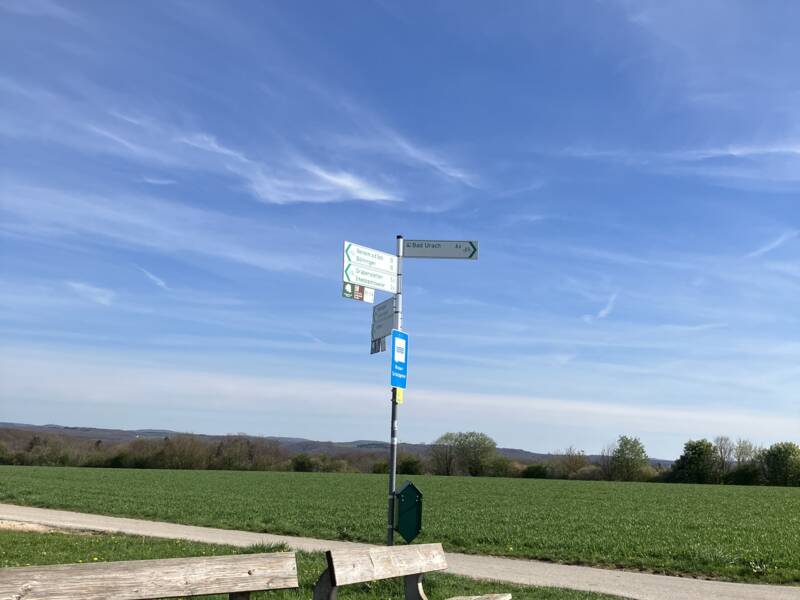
x: 376, y: 270
x: 441, y: 249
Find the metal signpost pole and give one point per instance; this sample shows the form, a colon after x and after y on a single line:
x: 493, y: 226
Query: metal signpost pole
x: 398, y: 323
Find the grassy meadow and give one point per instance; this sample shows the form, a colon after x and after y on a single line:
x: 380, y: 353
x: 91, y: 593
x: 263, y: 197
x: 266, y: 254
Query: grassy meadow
x: 725, y: 532
x: 18, y: 549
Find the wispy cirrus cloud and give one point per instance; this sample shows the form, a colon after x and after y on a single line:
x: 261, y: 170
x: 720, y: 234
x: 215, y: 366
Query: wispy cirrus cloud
x: 95, y: 294
x: 156, y: 280
x: 604, y: 312
x: 774, y: 244
x: 39, y: 8
x: 147, y: 223
x: 357, y: 166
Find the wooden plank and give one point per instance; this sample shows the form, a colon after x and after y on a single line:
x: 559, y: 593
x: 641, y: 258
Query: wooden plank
x: 369, y: 564
x: 148, y: 579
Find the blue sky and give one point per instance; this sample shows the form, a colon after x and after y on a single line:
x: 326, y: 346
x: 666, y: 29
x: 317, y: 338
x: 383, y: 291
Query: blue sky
x: 176, y: 180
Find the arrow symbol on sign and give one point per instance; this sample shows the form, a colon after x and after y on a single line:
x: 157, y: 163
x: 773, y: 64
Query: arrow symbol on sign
x: 474, y: 250
x: 346, y: 252
x: 346, y: 274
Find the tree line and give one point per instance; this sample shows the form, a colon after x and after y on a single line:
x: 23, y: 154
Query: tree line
x: 472, y: 453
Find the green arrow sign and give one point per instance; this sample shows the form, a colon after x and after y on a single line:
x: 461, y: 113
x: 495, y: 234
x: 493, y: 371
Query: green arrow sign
x: 370, y: 268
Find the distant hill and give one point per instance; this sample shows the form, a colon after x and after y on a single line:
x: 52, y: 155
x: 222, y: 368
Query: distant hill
x: 10, y: 432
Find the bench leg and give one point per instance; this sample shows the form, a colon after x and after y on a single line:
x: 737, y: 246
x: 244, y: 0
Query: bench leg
x: 413, y: 584
x: 324, y: 589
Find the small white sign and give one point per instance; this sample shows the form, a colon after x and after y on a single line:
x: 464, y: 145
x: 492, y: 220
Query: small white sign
x: 400, y: 351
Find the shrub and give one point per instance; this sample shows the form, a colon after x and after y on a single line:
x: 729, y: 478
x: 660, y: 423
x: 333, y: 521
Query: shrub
x: 380, y: 467
x: 409, y: 465
x: 303, y: 463
x: 500, y: 466
x: 749, y: 473
x: 5, y: 455
x: 588, y: 473
x: 537, y: 471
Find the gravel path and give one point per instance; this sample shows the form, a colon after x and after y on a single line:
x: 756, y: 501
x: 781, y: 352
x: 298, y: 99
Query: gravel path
x: 642, y: 586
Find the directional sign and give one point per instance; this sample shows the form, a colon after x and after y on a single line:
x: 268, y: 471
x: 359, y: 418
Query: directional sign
x: 440, y: 249
x: 358, y: 292
x: 370, y: 268
x: 399, y: 359
x: 383, y: 319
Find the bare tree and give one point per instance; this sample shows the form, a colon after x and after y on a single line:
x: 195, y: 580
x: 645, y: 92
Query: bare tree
x: 568, y: 462
x: 442, y: 455
x: 724, y: 450
x: 605, y: 460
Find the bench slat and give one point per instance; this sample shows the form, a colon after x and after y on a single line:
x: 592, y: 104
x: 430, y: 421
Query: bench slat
x: 148, y: 579
x: 369, y: 564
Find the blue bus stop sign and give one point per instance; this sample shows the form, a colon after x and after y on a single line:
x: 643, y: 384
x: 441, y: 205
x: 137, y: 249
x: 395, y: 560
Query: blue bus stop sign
x: 399, y: 359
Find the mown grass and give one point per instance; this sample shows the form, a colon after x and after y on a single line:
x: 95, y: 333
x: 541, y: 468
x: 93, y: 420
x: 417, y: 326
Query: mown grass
x: 725, y: 532
x: 19, y: 549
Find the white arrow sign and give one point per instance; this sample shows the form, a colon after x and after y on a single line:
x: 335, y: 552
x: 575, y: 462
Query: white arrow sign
x: 370, y: 268
x: 440, y: 249
x: 383, y: 319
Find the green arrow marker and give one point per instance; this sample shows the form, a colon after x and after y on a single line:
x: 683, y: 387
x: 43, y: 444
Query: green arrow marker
x: 474, y: 250
x: 346, y: 274
x: 346, y: 252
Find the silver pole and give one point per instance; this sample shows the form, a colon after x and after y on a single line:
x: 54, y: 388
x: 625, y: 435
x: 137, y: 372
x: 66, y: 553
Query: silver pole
x: 398, y: 323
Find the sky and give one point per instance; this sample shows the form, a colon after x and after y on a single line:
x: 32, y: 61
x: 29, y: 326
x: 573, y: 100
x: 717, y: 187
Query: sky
x: 177, y: 179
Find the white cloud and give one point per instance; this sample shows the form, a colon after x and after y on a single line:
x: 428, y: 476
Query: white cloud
x: 158, y: 181
x: 774, y: 244
x: 604, y: 312
x: 157, y: 280
x: 92, y: 293
x: 79, y: 385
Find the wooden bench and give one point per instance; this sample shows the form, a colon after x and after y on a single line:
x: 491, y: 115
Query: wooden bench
x: 371, y: 564
x: 236, y: 575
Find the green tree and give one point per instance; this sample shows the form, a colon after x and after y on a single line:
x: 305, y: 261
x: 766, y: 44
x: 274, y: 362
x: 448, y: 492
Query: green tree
x: 474, y: 451
x: 628, y: 459
x: 697, y: 464
x: 782, y: 464
x: 442, y: 455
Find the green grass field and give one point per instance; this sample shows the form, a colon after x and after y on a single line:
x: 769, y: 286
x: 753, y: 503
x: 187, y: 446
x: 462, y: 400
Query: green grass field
x: 18, y: 549
x: 735, y: 533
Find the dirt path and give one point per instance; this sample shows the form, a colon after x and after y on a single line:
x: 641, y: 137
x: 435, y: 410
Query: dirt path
x: 622, y: 583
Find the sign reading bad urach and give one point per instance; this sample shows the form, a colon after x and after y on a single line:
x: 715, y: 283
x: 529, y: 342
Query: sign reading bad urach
x: 464, y: 249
